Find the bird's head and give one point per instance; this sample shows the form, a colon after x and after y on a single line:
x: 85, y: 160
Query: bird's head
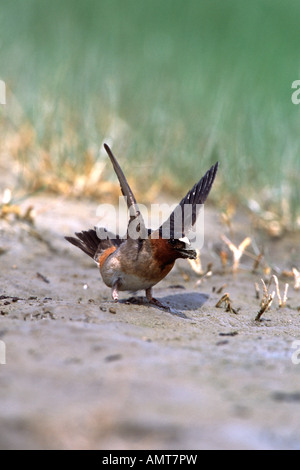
x: 182, y: 248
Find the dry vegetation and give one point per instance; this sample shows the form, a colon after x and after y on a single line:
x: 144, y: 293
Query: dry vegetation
x: 82, y: 372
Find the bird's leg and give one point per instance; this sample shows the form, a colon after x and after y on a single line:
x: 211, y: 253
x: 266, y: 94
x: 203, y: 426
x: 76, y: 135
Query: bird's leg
x: 159, y: 304
x: 115, y: 292
x: 149, y: 294
x: 154, y: 301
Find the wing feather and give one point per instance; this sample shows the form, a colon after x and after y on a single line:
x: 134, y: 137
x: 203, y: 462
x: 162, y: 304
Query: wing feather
x: 185, y: 213
x: 134, y: 212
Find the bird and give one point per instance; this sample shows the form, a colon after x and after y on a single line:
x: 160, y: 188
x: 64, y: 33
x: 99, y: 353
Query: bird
x: 143, y: 257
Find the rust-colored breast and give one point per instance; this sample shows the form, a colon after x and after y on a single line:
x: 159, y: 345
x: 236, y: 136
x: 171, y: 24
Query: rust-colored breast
x: 153, y: 262
x: 163, y: 254
x: 105, y: 255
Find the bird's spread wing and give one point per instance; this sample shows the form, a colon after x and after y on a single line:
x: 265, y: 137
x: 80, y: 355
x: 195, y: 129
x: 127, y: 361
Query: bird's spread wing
x: 185, y: 214
x: 136, y: 226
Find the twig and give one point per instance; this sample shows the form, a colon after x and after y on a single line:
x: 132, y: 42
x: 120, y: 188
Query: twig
x: 43, y: 278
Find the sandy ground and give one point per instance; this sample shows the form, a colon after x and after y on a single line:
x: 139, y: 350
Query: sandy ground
x: 84, y: 373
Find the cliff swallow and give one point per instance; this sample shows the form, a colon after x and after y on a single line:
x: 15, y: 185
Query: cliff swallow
x: 143, y: 257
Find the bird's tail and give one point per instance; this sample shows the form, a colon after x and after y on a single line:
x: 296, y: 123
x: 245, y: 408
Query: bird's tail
x: 89, y: 242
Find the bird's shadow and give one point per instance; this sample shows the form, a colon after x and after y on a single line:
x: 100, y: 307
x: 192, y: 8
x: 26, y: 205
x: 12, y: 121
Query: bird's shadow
x: 175, y: 304
x: 186, y: 300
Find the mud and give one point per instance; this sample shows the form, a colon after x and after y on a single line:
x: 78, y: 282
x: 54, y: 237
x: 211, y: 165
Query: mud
x: 84, y: 373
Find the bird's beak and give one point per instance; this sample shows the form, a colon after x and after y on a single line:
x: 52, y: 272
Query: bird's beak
x: 189, y: 253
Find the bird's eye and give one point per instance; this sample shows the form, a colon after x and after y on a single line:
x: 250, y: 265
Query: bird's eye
x: 172, y: 241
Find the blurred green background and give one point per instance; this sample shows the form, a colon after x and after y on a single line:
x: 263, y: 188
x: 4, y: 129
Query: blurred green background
x: 174, y: 85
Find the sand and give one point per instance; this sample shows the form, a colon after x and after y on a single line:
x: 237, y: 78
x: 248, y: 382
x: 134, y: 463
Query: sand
x: 84, y: 373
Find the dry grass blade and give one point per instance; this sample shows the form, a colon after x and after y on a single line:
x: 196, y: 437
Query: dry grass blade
x: 227, y: 216
x: 282, y: 303
x: 265, y: 289
x: 285, y: 295
x: 225, y: 300
x: 266, y: 304
x: 257, y: 262
x: 277, y: 290
x: 266, y: 301
x: 296, y: 274
x: 14, y: 211
x: 237, y: 251
x: 219, y: 291
x: 224, y: 258
x: 257, y: 291
x: 196, y: 264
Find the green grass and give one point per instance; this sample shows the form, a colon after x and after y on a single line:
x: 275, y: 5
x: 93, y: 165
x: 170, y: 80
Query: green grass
x: 176, y: 84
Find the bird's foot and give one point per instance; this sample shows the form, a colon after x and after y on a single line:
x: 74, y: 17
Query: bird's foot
x: 158, y: 303
x: 115, y: 292
x: 155, y: 302
x: 135, y: 300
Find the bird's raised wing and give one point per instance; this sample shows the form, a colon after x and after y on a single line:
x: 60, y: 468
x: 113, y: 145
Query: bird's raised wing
x: 185, y: 214
x: 136, y: 226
